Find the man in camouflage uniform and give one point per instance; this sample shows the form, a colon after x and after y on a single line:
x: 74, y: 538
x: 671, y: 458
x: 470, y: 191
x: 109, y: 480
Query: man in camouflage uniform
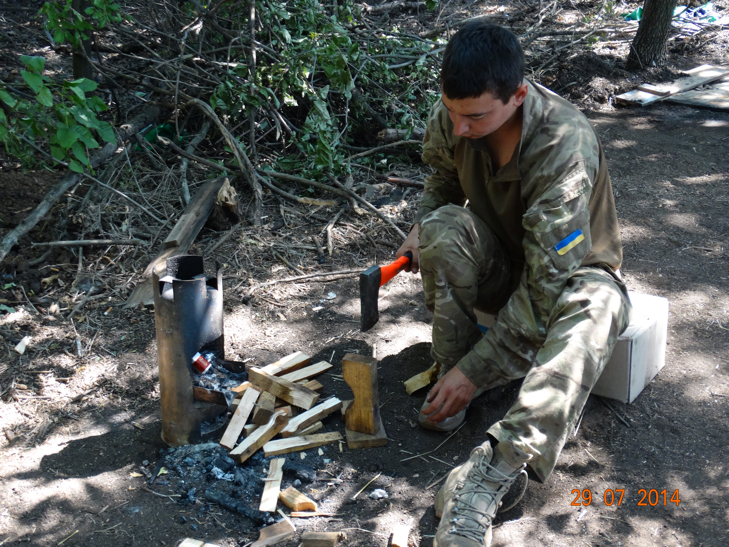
x: 538, y: 243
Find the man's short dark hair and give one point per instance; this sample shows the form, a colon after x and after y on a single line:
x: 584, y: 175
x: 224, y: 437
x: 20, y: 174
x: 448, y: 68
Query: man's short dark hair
x: 482, y: 58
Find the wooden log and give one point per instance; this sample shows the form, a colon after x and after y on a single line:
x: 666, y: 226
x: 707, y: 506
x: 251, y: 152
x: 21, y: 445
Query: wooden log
x: 200, y: 206
x: 321, y: 539
x: 296, y: 501
x: 288, y: 391
x: 259, y: 437
x: 422, y: 379
x: 304, y: 420
x: 290, y: 363
x: 276, y: 533
x: 302, y: 442
x: 239, y: 419
x: 400, y: 535
x: 360, y: 373
x: 307, y: 373
x: 271, y: 490
x: 265, y: 408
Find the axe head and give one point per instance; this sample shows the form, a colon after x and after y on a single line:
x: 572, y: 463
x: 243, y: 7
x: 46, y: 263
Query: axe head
x: 369, y: 292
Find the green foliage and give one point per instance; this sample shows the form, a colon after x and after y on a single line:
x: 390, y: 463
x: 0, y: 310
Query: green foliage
x: 310, y: 70
x: 61, y: 116
x: 68, y: 26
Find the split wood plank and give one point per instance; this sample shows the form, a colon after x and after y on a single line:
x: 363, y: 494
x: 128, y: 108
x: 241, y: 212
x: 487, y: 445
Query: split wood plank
x: 309, y: 514
x: 304, y: 420
x: 290, y: 363
x: 311, y: 429
x: 400, y: 536
x: 259, y: 437
x: 239, y: 419
x: 302, y: 442
x: 360, y: 373
x: 646, y: 94
x: 200, y: 206
x: 313, y: 385
x: 265, y: 408
x: 321, y: 539
x: 271, y: 490
x: 271, y: 535
x: 241, y: 388
x: 423, y: 379
x: 715, y: 97
x: 307, y: 373
x: 296, y: 501
x: 288, y: 391
x: 189, y: 542
x: 209, y: 396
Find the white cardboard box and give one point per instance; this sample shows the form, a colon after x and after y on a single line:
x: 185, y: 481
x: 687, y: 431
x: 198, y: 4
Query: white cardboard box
x: 639, y: 353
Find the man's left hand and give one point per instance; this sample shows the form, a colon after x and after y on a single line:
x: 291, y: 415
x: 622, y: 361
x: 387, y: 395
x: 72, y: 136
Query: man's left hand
x: 449, y: 396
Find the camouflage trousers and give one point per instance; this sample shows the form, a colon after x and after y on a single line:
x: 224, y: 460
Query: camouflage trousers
x: 464, y: 266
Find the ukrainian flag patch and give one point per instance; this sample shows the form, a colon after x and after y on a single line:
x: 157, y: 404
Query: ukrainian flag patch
x: 570, y: 242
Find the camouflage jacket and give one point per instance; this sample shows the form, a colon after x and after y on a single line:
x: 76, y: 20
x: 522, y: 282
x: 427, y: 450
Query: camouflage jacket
x: 551, y: 206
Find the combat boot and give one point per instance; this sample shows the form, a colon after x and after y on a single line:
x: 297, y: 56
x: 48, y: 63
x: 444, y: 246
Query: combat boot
x: 471, y: 495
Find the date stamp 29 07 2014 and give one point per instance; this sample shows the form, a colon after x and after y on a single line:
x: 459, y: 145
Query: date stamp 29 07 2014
x: 648, y: 498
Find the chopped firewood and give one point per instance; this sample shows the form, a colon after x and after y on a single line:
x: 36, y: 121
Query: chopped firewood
x: 400, y: 536
x: 250, y: 428
x: 209, y: 396
x: 290, y: 363
x: 302, y: 421
x: 295, y: 444
x: 20, y: 348
x: 360, y: 373
x: 271, y: 535
x: 307, y: 373
x: 309, y: 514
x: 240, y: 417
x: 259, y: 437
x: 273, y: 485
x: 241, y: 388
x: 313, y: 385
x: 321, y: 539
x: 189, y: 542
x: 423, y: 379
x: 288, y: 391
x: 313, y: 428
x: 296, y: 501
x: 265, y: 408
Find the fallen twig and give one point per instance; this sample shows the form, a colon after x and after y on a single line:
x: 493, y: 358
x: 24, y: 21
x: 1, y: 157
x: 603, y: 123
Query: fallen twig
x: 603, y: 401
x: 87, y: 242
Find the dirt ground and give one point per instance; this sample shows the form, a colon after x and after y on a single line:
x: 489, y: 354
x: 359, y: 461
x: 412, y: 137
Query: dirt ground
x: 77, y: 429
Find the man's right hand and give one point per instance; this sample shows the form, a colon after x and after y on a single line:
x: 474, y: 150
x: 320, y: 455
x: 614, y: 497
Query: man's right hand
x: 411, y: 244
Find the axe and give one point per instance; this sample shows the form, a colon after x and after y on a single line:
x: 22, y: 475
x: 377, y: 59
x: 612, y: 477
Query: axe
x: 370, y: 282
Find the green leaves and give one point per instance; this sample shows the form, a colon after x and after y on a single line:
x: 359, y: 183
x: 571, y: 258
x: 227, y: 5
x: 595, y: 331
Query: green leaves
x: 34, y: 81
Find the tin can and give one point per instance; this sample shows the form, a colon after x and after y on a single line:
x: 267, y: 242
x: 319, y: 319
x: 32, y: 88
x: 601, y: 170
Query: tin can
x: 200, y: 364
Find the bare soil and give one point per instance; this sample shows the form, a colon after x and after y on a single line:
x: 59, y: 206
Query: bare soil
x: 77, y: 429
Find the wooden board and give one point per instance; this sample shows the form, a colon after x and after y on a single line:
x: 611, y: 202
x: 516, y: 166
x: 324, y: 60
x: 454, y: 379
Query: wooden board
x: 355, y: 439
x: 239, y: 419
x: 360, y: 373
x: 276, y: 533
x: 288, y: 391
x: 715, y: 97
x: 200, y: 205
x: 259, y: 437
x: 290, y: 363
x: 264, y: 408
x: 304, y: 420
x: 638, y: 97
x: 423, y: 379
x: 302, y: 442
x: 307, y: 372
x: 296, y: 501
x: 272, y: 488
x: 698, y: 76
x: 313, y: 428
x: 313, y: 385
x: 209, y: 396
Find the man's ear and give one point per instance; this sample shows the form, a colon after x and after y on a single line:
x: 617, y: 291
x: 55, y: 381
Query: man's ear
x: 520, y: 94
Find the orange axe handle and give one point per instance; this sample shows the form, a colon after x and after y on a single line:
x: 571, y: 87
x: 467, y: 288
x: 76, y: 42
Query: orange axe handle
x: 391, y: 270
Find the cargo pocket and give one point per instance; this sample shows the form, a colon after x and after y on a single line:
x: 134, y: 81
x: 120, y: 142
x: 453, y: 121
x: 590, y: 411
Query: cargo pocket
x: 568, y: 244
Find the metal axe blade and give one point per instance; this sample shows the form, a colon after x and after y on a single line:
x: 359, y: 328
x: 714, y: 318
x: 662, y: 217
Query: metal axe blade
x: 370, y: 282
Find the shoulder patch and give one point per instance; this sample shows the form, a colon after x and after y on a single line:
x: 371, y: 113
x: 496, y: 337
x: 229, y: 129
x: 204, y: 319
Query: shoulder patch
x: 570, y: 242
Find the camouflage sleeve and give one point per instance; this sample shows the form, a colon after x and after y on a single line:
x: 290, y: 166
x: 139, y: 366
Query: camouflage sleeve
x: 557, y: 240
x: 441, y: 187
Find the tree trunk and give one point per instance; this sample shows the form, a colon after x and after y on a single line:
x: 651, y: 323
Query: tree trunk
x: 649, y: 46
x: 82, y: 67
